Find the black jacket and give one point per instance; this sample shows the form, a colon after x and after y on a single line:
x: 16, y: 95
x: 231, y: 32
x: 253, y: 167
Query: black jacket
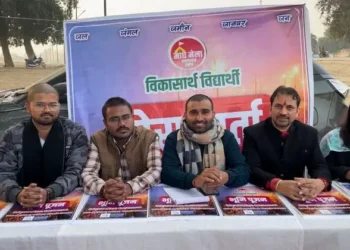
x: 301, y: 148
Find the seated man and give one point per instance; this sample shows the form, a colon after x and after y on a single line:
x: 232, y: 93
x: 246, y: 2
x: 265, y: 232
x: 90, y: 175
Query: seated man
x: 335, y: 147
x: 279, y: 148
x: 202, y: 153
x: 123, y: 159
x: 42, y: 157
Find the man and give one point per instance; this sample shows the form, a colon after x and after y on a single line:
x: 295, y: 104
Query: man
x: 279, y: 148
x: 123, y: 159
x: 41, y: 158
x: 202, y: 154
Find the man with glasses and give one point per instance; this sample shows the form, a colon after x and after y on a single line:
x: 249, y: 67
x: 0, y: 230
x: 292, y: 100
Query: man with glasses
x: 42, y: 157
x: 123, y: 159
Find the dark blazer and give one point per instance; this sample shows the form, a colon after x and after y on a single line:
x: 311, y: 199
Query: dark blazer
x: 300, y: 149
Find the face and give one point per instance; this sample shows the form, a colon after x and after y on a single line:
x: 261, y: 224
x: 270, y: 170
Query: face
x: 199, y: 116
x: 119, y: 121
x: 283, y: 111
x: 44, y: 108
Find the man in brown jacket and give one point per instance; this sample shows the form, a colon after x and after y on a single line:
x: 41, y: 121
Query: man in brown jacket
x: 123, y: 159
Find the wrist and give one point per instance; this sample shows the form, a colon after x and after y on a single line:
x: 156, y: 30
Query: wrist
x: 50, y: 194
x: 102, y: 191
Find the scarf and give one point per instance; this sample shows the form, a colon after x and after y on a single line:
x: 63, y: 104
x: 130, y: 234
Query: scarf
x: 189, y: 151
x: 42, y: 165
x: 332, y: 142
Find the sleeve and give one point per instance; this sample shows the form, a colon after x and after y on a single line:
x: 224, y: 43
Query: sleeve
x: 316, y: 163
x: 154, y: 166
x: 9, y: 188
x: 76, y: 159
x: 172, y: 173
x: 92, y: 182
x: 338, y: 172
x: 237, y: 169
x: 259, y: 176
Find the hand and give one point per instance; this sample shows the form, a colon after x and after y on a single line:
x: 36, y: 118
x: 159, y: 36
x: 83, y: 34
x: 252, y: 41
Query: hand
x: 290, y: 189
x: 347, y: 175
x: 114, y: 190
x: 208, y: 176
x: 310, y: 187
x: 224, y: 179
x: 32, y: 196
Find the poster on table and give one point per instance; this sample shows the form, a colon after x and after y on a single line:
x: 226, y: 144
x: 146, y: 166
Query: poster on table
x: 59, y: 209
x: 250, y: 200
x: 235, y: 56
x: 132, y: 207
x: 344, y: 186
x: 328, y: 203
x: 161, y: 205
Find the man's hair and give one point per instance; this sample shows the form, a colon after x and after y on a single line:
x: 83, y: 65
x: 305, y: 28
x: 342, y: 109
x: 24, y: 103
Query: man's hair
x: 283, y: 90
x: 345, y: 130
x: 41, y: 88
x: 114, y: 102
x: 198, y: 98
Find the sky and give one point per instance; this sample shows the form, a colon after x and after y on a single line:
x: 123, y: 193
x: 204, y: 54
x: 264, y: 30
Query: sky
x: 94, y: 8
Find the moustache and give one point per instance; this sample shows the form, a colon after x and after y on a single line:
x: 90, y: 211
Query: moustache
x: 122, y: 128
x: 46, y: 114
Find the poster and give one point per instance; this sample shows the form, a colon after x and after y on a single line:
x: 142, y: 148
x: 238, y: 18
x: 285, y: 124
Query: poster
x: 58, y: 209
x: 327, y: 203
x: 238, y: 57
x: 250, y: 200
x: 162, y: 205
x: 98, y: 208
x: 344, y: 186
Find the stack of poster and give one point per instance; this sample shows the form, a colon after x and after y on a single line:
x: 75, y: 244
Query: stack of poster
x: 132, y: 207
x: 250, y: 200
x: 59, y: 209
x: 162, y: 205
x: 2, y: 206
x: 327, y: 203
x: 345, y: 187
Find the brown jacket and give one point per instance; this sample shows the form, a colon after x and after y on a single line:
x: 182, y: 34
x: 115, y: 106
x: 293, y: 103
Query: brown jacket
x: 135, y: 152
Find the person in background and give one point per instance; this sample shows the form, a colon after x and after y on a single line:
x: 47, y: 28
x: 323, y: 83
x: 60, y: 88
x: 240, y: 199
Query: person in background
x: 335, y: 147
x: 278, y: 149
x: 202, y: 153
x: 42, y: 157
x: 123, y: 159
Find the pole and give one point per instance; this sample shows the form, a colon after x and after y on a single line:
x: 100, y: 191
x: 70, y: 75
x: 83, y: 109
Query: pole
x: 76, y: 12
x: 105, y: 7
x: 261, y: 2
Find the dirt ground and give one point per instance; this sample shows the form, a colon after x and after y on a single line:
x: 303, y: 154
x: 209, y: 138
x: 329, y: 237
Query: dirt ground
x: 22, y: 77
x: 339, y: 68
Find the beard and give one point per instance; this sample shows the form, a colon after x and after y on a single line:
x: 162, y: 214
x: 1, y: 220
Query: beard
x: 45, y: 119
x: 204, y: 126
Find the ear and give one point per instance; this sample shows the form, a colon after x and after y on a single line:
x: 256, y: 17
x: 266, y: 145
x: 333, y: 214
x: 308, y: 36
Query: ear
x: 27, y: 106
x: 270, y: 109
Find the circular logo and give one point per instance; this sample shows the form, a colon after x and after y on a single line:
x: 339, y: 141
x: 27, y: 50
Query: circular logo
x: 187, y: 53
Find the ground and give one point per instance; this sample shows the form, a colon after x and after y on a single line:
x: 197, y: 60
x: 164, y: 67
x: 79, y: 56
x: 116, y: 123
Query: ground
x: 22, y: 77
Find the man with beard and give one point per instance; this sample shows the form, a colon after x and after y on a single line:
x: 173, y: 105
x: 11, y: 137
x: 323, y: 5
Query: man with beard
x: 41, y: 158
x: 202, y: 154
x: 279, y: 148
x: 123, y: 159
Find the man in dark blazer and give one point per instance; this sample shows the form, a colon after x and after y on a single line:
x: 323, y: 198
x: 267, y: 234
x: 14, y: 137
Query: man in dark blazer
x: 279, y: 148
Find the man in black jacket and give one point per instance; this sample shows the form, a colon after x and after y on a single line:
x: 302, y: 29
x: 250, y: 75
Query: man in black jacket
x: 279, y: 148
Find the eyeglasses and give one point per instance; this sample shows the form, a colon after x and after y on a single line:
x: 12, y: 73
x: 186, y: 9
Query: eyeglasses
x: 117, y: 119
x: 53, y: 106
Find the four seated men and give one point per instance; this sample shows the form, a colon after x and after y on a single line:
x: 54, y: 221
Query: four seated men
x: 44, y: 157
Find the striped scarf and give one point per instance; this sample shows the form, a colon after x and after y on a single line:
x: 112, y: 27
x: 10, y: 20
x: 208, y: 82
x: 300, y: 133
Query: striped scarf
x: 189, y: 151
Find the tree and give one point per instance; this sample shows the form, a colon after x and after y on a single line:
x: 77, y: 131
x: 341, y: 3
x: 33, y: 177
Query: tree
x: 39, y: 18
x: 6, y: 8
x: 314, y: 43
x: 337, y: 17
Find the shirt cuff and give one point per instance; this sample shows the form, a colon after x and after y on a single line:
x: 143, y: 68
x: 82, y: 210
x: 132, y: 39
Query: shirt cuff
x: 271, y: 185
x: 12, y: 194
x: 326, y: 184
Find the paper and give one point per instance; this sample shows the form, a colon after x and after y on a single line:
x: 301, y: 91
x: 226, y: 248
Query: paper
x: 180, y: 196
